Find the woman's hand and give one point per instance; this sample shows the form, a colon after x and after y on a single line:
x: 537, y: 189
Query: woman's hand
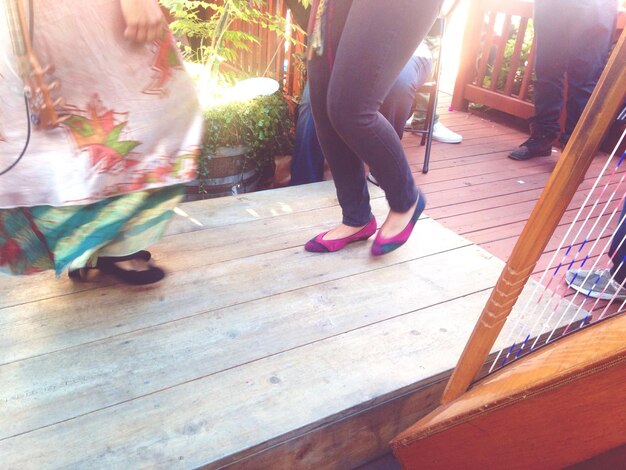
x: 144, y: 19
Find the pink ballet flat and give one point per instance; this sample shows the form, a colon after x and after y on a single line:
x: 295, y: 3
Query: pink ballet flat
x: 382, y: 245
x: 319, y: 245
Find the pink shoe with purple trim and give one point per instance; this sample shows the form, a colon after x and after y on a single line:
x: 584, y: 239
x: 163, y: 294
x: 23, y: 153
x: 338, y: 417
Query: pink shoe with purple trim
x: 382, y: 245
x: 319, y: 245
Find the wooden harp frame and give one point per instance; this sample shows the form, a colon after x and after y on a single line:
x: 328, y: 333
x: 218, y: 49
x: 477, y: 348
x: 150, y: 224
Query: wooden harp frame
x: 604, y: 104
x: 493, y: 415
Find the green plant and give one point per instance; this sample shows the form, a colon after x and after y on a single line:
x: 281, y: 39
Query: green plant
x: 215, y: 36
x: 263, y: 125
x: 214, y: 43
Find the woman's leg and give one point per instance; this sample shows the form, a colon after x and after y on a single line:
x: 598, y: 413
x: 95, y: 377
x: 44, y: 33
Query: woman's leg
x: 346, y: 167
x: 591, y: 32
x: 369, y: 43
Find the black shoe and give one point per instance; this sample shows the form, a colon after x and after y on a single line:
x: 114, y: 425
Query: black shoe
x: 533, y: 147
x: 107, y: 265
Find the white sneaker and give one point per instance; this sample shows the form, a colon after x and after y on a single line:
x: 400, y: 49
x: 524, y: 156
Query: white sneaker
x: 442, y: 134
x: 598, y: 284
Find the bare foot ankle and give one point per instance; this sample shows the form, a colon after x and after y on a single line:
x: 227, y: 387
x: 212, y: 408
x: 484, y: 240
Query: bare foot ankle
x: 396, y: 222
x: 341, y: 231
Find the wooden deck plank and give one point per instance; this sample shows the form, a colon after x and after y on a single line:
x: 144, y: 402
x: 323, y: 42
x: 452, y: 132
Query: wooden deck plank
x: 502, y: 233
x: 513, y: 183
x: 207, y: 426
x: 483, y: 168
x: 39, y: 327
x: 257, y: 206
x: 487, y: 217
x: 497, y: 196
x: 498, y: 237
x: 257, y: 215
x: 216, y: 416
x: 442, y: 152
x: 224, y: 338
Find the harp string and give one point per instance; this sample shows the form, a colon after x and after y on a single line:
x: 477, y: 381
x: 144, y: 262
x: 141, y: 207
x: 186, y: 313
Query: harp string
x: 579, y: 306
x: 517, y: 347
x: 612, y: 278
x: 592, y: 249
x: 561, y: 286
x: 519, y: 325
x: 521, y: 333
x: 621, y: 307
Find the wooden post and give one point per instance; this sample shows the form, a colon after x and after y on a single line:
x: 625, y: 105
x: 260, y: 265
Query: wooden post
x: 469, y: 52
x: 606, y: 100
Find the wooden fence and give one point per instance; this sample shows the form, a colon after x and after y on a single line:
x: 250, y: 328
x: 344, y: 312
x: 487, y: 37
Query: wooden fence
x: 273, y: 56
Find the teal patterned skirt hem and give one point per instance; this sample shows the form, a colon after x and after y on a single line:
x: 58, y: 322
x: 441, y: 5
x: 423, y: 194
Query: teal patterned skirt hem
x: 44, y: 237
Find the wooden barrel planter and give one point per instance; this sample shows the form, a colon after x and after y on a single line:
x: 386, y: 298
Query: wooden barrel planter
x: 227, y: 173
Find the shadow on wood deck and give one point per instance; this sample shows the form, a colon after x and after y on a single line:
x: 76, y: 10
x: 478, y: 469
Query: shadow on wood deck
x: 253, y: 353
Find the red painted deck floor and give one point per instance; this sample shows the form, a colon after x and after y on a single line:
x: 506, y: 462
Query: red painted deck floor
x: 474, y: 189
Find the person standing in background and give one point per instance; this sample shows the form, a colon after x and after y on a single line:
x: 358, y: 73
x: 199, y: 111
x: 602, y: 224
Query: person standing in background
x: 572, y: 40
x: 433, y: 41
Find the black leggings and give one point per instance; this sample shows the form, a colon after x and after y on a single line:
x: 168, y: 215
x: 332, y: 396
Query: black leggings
x: 367, y: 44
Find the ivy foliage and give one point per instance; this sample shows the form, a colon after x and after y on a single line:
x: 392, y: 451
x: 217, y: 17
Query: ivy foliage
x: 263, y: 125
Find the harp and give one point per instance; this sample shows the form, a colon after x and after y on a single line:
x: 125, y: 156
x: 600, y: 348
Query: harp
x: 550, y: 403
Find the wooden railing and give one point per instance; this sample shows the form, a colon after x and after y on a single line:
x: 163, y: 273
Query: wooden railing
x: 493, y: 74
x: 490, y: 74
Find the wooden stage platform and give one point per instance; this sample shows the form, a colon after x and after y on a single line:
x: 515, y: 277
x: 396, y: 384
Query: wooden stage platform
x: 252, y: 353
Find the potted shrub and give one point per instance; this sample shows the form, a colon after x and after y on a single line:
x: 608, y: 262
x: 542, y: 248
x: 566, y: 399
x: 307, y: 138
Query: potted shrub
x: 241, y: 136
x: 241, y: 140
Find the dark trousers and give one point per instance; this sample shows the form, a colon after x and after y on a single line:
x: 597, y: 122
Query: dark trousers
x: 572, y: 36
x: 307, y: 163
x: 399, y: 102
x: 367, y: 44
x: 617, y: 249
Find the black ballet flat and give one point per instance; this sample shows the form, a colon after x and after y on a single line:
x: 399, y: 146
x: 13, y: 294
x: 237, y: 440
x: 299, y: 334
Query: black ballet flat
x: 143, y: 255
x: 129, y: 276
x: 107, y: 265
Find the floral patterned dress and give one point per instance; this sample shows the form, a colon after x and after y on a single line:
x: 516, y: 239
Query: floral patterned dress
x: 104, y: 182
